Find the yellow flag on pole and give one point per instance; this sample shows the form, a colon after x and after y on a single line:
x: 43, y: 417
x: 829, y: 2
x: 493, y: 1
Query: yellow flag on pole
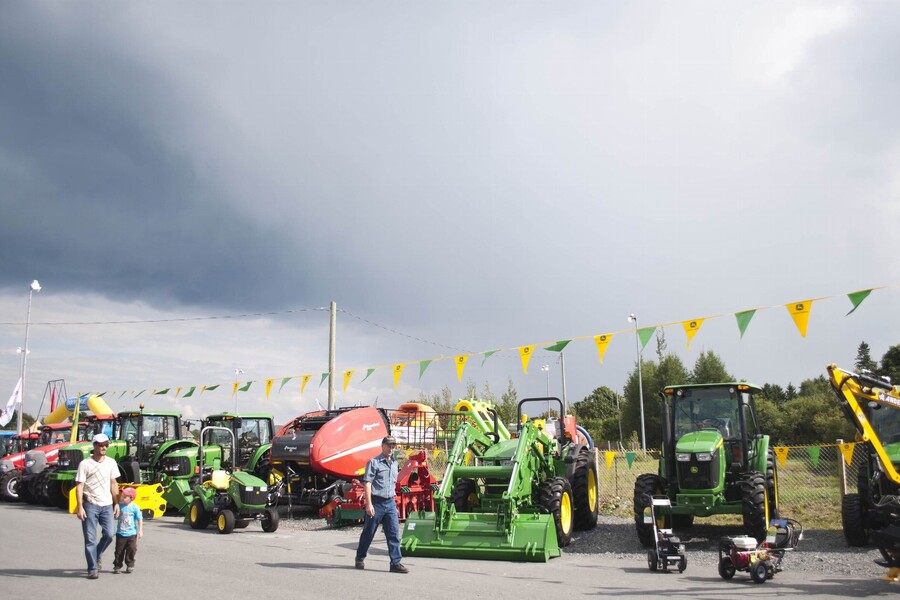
x: 800, y: 313
x: 525, y: 352
x: 847, y: 451
x: 691, y: 328
x: 602, y: 342
x: 347, y: 376
x: 398, y: 370
x: 461, y: 365
x: 610, y: 456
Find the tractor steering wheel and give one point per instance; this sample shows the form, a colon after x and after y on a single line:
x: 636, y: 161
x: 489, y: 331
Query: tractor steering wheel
x: 711, y: 423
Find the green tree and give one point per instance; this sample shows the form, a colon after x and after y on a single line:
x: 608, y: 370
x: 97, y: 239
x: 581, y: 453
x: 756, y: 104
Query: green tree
x: 773, y: 393
x: 27, y: 421
x: 709, y: 368
x: 600, y: 404
x: 790, y: 392
x: 864, y: 360
x: 890, y: 364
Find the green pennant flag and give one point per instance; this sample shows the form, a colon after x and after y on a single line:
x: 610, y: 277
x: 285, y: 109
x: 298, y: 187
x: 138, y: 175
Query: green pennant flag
x: 423, y: 364
x: 645, y: 334
x: 101, y: 394
x: 629, y: 457
x: 368, y: 372
x: 743, y: 319
x: 284, y: 381
x: 324, y: 377
x: 856, y: 298
x: 161, y: 392
x: 140, y: 392
x: 558, y: 346
x: 123, y: 393
x: 245, y: 387
x: 488, y: 354
x: 813, y: 452
x: 210, y: 388
x: 190, y: 392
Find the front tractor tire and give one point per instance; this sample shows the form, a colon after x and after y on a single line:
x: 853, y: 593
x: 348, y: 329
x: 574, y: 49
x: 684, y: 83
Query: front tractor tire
x: 755, y: 505
x: 555, y: 496
x: 197, y: 515
x: 645, y: 486
x: 585, y: 490
x: 9, y: 486
x: 854, y: 519
x: 464, y: 495
x: 225, y: 522
x: 270, y: 520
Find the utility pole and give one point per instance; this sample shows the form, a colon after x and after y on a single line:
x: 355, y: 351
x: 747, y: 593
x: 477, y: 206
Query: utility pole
x: 331, y: 349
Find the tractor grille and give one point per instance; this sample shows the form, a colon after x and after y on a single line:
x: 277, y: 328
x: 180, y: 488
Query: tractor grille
x: 699, y: 475
x: 69, y: 459
x: 254, y: 496
x: 178, y: 466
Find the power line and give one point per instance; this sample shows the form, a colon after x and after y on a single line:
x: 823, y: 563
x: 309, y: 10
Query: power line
x: 175, y: 320
x: 401, y: 334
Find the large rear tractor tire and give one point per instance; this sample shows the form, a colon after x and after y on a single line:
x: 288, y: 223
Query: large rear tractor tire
x: 25, y: 489
x: 772, y: 483
x: 9, y: 486
x: 225, y: 522
x: 682, y: 522
x: 586, y: 491
x: 647, y: 485
x: 270, y: 520
x: 464, y: 495
x: 855, y: 521
x: 555, y: 496
x: 197, y: 515
x: 755, y: 505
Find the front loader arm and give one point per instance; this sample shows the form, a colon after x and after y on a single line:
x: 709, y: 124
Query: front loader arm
x: 853, y: 391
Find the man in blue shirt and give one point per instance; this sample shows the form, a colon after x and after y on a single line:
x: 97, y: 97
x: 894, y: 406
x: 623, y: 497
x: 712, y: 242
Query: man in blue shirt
x: 380, y: 480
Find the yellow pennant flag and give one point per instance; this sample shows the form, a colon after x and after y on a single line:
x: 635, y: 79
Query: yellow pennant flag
x: 525, y: 352
x: 347, y: 376
x: 461, y: 365
x: 781, y: 452
x: 691, y: 328
x: 398, y: 370
x: 269, y: 383
x: 610, y: 456
x: 800, y: 313
x: 177, y: 392
x: 303, y: 381
x: 602, y: 342
x: 234, y: 388
x: 847, y: 451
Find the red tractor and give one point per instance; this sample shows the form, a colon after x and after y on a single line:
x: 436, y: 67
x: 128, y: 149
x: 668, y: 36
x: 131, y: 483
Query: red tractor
x: 50, y: 439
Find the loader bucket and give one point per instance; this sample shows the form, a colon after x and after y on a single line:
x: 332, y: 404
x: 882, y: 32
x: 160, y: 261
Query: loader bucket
x: 531, y: 537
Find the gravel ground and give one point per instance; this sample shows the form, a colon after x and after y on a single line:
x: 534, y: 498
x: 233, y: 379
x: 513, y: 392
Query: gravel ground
x: 820, y: 552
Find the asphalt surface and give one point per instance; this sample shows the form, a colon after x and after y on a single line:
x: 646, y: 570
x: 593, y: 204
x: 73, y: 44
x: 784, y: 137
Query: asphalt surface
x: 43, y: 556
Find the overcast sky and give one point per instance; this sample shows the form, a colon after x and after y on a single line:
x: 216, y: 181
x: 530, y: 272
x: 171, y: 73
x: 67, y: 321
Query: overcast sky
x: 458, y: 176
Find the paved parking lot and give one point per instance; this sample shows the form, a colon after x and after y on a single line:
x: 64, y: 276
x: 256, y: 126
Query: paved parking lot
x: 43, y: 556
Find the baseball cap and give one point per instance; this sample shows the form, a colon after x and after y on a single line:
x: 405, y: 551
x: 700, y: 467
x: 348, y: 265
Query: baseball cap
x: 100, y: 438
x: 389, y: 439
x: 129, y: 492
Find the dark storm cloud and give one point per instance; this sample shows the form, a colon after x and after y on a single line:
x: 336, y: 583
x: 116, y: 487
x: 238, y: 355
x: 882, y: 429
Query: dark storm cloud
x: 97, y: 197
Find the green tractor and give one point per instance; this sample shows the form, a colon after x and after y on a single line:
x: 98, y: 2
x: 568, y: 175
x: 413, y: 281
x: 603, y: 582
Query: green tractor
x: 510, y: 499
x: 140, y: 440
x: 714, y: 461
x: 250, y: 434
x: 231, y: 499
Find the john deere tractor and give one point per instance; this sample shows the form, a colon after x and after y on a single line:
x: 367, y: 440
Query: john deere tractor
x: 231, y: 498
x: 873, y: 406
x: 509, y: 499
x: 714, y: 461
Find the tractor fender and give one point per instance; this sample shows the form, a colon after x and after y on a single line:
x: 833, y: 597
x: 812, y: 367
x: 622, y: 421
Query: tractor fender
x: 762, y: 451
x: 570, y: 458
x: 260, y: 458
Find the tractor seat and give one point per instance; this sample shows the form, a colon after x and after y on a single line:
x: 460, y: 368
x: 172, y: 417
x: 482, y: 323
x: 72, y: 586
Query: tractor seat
x: 220, y: 479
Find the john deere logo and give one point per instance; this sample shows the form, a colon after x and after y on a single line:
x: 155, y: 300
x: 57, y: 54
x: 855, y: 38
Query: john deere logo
x: 695, y: 470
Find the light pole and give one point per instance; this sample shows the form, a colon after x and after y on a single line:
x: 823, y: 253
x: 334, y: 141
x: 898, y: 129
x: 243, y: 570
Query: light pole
x: 35, y: 287
x: 632, y: 318
x: 546, y: 369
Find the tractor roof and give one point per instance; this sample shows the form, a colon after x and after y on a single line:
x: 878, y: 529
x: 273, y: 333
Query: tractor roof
x: 751, y: 387
x: 150, y: 413
x: 227, y: 415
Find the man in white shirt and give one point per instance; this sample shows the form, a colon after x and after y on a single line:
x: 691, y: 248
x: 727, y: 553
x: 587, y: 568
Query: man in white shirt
x: 97, y: 496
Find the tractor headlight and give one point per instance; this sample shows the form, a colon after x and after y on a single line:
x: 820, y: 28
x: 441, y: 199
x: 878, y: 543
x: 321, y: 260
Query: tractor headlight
x: 29, y: 463
x: 63, y: 462
x: 683, y: 457
x: 704, y: 456
x: 5, y: 466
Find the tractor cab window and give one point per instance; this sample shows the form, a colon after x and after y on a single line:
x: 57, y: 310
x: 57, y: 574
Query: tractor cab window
x: 711, y: 409
x: 55, y: 436
x: 129, y: 429
x: 159, y: 429
x: 749, y: 417
x: 886, y: 423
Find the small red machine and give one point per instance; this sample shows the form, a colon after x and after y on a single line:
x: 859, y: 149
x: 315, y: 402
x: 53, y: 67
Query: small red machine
x: 742, y: 553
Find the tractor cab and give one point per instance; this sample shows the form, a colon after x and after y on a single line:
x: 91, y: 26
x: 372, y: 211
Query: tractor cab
x: 251, y: 432
x: 144, y: 434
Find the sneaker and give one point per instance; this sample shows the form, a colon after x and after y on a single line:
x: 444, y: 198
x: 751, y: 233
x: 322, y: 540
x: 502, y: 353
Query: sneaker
x: 93, y: 575
x: 129, y: 570
x: 399, y: 568
x: 360, y: 564
x: 116, y: 570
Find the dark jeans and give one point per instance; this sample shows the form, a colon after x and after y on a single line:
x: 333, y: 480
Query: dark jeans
x: 126, y: 548
x: 102, y: 516
x: 386, y: 516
